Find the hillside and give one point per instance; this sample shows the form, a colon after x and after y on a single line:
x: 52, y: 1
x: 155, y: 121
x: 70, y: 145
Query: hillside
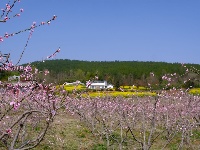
x: 126, y: 72
x: 124, y: 67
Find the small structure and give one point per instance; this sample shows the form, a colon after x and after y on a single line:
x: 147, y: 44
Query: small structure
x: 109, y: 86
x: 73, y: 83
x: 14, y: 78
x: 98, y: 85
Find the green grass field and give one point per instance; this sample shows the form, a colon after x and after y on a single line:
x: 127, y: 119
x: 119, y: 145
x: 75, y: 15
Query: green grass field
x: 68, y: 133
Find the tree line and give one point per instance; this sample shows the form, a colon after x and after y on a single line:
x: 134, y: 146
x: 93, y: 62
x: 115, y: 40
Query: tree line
x: 119, y: 72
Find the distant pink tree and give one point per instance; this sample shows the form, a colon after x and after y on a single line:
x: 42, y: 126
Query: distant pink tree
x: 142, y: 122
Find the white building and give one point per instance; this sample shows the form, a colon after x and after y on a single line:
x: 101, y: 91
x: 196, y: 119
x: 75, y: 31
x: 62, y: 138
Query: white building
x: 73, y: 83
x: 109, y: 86
x: 14, y: 78
x: 98, y: 85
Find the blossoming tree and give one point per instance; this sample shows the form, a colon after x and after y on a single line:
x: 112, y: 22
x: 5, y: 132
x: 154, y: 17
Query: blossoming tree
x: 26, y: 109
x: 170, y: 118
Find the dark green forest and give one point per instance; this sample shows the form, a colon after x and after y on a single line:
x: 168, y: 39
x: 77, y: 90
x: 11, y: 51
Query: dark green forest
x: 117, y: 72
x: 122, y: 72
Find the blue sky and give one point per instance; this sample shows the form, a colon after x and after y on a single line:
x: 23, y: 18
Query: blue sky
x: 107, y: 30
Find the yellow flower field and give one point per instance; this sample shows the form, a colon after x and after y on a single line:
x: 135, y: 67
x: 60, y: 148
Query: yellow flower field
x: 194, y: 91
x: 117, y: 93
x: 133, y: 87
x: 127, y: 93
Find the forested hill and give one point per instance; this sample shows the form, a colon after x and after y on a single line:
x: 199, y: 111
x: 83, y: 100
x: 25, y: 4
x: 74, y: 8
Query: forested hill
x: 66, y: 69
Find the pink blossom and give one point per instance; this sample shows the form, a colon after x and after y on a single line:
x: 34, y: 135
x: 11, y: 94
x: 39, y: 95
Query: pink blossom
x: 28, y: 68
x: 54, y: 17
x: 16, y: 106
x: 46, y: 72
x: 152, y: 73
x: 6, y: 35
x: 5, y: 18
x: 1, y: 39
x: 88, y: 83
x: 36, y: 70
x: 169, y: 79
x: 53, y: 112
x: 41, y: 86
x: 12, y: 103
x: 21, y: 67
x: 58, y: 50
x: 8, y: 7
x: 8, y: 131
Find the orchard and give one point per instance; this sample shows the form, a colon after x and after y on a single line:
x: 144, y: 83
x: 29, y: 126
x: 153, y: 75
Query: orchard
x: 27, y: 110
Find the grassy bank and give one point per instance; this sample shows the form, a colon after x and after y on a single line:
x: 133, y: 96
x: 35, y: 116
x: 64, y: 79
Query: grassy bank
x: 68, y: 133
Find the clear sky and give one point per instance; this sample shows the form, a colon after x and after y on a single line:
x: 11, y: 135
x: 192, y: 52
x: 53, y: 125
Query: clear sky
x: 107, y: 30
